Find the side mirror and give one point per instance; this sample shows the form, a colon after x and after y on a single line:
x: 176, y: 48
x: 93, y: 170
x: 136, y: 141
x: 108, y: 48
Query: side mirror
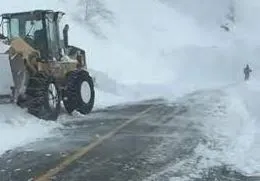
x: 65, y: 35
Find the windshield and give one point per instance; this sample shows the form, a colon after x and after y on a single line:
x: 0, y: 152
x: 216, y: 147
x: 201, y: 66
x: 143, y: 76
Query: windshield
x: 23, y: 26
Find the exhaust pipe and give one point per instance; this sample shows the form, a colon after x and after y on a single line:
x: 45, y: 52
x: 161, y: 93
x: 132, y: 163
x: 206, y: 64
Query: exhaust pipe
x: 65, y: 35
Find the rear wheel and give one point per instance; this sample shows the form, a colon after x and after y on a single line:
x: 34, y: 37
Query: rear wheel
x: 43, y: 97
x: 79, y: 94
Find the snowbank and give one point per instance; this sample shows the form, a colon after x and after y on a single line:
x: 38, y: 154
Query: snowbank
x: 18, y: 128
x: 245, y: 156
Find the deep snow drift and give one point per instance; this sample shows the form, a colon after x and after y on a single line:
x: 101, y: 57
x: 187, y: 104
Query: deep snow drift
x: 165, y: 48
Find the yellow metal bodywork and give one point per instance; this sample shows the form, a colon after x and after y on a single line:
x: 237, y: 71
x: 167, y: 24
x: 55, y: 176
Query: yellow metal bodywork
x: 21, y: 47
x: 29, y: 56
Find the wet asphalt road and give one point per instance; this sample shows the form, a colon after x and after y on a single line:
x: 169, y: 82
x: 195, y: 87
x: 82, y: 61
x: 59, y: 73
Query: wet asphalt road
x: 159, y: 145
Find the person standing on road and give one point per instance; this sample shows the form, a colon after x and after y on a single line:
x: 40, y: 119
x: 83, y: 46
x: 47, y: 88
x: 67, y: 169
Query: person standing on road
x: 247, y: 71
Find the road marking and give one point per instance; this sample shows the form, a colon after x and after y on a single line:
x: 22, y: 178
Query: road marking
x: 84, y: 150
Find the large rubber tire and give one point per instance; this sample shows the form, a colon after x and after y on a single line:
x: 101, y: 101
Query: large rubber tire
x: 43, y: 97
x: 75, y: 97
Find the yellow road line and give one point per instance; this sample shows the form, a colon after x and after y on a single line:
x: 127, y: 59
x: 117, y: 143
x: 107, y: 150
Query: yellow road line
x: 84, y: 150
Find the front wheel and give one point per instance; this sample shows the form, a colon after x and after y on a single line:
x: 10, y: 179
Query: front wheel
x: 79, y: 94
x: 44, y: 97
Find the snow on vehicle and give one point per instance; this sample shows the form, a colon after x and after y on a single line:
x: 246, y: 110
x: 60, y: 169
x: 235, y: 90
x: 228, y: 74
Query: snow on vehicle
x: 39, y: 69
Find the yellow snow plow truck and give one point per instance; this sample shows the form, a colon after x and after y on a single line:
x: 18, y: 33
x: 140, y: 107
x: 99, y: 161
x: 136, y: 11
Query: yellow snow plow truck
x: 39, y: 70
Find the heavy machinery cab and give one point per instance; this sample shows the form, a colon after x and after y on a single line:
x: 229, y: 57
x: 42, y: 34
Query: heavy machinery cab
x: 41, y: 30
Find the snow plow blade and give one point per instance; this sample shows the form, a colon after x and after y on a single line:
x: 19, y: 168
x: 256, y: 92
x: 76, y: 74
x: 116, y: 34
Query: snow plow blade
x: 6, y: 82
